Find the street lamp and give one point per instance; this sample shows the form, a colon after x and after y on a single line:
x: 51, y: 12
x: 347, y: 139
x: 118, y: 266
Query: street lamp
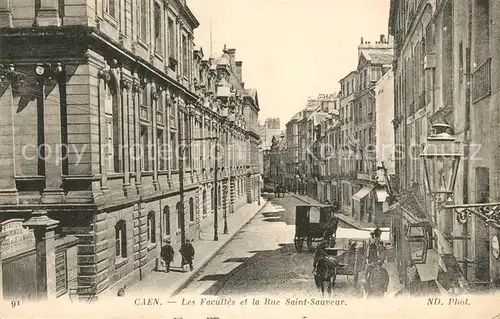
x: 226, y: 116
x: 443, y: 153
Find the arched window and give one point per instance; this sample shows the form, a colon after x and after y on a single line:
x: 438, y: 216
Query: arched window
x: 179, y: 216
x: 166, y: 220
x: 151, y: 227
x: 112, y: 126
x: 191, y: 209
x: 121, y: 239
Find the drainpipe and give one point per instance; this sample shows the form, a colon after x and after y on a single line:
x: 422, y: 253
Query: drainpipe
x: 468, y: 105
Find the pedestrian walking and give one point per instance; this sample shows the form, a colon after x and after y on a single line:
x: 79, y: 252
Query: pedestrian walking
x: 187, y: 253
x: 373, y: 254
x: 382, y: 252
x: 167, y: 255
x: 378, y: 280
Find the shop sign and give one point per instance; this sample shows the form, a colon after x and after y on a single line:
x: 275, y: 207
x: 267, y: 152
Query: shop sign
x: 18, y: 239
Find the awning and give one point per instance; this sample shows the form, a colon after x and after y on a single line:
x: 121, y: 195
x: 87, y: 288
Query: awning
x: 362, y: 193
x: 381, y: 194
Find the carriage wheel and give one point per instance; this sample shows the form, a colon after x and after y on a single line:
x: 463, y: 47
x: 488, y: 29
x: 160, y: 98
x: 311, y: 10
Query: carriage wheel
x: 299, y: 243
x: 310, y: 243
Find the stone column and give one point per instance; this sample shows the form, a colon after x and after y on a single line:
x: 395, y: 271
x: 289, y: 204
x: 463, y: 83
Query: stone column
x: 8, y: 191
x: 2, y: 238
x: 137, y: 136
x: 168, y: 128
x: 5, y: 14
x: 124, y: 127
x: 155, y: 95
x: 103, y: 76
x: 43, y: 228
x: 48, y: 14
x: 53, y: 193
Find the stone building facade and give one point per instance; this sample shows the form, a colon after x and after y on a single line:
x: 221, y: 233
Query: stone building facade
x: 374, y: 61
x: 346, y: 147
x: 112, y: 89
x: 444, y: 68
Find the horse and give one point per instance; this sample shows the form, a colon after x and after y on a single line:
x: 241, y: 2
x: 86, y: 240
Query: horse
x: 326, y: 271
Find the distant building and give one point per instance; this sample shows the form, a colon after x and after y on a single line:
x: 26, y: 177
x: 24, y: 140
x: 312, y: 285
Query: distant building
x: 374, y: 61
x: 301, y: 135
x: 270, y: 128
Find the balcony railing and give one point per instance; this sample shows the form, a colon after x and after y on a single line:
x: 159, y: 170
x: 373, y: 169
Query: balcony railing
x: 481, y: 81
x: 143, y: 113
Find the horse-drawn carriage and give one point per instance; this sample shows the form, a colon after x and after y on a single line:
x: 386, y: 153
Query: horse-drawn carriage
x: 311, y: 222
x: 347, y: 257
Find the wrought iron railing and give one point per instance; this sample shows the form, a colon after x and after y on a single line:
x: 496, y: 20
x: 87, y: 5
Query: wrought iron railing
x: 481, y: 80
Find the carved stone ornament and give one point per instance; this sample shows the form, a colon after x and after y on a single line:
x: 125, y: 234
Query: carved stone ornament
x: 47, y: 70
x: 9, y: 75
x: 125, y: 84
x: 156, y: 91
x: 105, y: 73
x: 135, y: 85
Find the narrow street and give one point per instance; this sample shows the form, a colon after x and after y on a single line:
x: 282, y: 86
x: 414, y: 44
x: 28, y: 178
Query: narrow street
x: 262, y: 259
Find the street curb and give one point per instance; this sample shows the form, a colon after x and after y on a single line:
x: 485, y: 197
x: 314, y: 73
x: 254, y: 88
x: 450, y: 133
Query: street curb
x: 204, y: 263
x: 340, y: 216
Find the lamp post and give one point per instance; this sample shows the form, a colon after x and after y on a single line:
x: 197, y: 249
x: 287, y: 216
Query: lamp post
x: 443, y: 153
x: 441, y: 157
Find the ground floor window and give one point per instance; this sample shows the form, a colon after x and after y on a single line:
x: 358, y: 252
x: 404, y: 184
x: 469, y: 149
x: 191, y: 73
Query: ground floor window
x: 151, y: 227
x: 121, y: 239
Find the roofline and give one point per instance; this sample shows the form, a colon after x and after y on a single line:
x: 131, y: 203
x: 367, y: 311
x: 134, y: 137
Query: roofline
x: 191, y: 16
x: 352, y: 72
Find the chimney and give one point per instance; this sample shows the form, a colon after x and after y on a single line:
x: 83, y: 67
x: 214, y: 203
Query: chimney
x: 239, y: 73
x: 382, y: 38
x: 362, y: 40
x: 232, y: 56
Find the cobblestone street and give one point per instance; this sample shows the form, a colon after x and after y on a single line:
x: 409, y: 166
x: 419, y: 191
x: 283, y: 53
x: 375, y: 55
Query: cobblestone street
x: 262, y: 259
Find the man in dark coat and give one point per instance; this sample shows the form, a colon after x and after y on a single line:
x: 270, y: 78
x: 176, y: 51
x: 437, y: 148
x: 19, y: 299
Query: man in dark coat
x: 167, y: 255
x: 378, y: 280
x: 187, y: 253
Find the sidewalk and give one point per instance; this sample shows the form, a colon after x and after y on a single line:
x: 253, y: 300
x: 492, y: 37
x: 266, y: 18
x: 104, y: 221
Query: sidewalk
x: 349, y: 220
x: 206, y: 248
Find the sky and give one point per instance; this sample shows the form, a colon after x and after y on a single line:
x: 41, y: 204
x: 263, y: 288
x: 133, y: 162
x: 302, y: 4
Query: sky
x: 291, y: 49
